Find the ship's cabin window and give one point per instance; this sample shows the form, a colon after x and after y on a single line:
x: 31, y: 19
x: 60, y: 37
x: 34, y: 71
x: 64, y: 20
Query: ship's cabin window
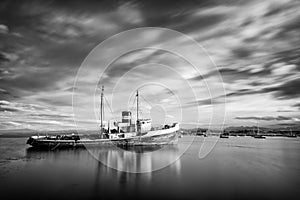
x: 144, y: 122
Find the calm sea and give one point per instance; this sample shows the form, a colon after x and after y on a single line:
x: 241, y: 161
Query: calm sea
x: 237, y: 168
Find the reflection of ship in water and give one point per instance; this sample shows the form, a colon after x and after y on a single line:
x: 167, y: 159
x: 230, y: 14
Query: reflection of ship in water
x: 126, y: 167
x: 110, y: 167
x: 137, y: 159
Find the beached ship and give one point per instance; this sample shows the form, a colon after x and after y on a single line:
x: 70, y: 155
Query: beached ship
x: 126, y: 133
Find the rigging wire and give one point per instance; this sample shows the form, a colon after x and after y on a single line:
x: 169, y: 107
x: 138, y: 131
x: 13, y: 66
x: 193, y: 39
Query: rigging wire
x: 151, y: 104
x: 146, y: 101
x: 133, y: 106
x: 108, y: 105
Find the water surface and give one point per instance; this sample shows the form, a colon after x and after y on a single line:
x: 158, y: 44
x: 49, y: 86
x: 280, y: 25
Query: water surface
x: 238, y: 167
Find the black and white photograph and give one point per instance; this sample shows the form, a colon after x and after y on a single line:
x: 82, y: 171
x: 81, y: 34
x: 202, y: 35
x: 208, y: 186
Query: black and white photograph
x: 149, y: 99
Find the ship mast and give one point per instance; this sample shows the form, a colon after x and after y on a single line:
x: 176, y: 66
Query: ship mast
x: 257, y: 127
x: 137, y: 105
x: 101, y: 112
x: 137, y: 109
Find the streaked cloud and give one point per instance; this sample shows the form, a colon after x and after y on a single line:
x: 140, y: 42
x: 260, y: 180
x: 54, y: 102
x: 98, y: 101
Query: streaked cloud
x: 3, y: 29
x: 269, y: 118
x: 255, y: 45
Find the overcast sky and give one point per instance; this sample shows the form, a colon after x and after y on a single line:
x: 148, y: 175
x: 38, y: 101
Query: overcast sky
x: 254, y: 45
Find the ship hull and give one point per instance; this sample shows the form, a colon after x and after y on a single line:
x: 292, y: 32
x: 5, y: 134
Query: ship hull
x: 162, y: 139
x: 156, y: 137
